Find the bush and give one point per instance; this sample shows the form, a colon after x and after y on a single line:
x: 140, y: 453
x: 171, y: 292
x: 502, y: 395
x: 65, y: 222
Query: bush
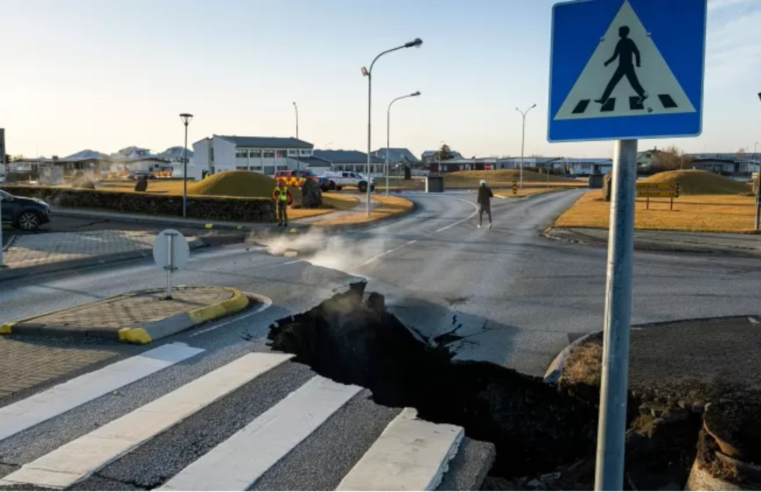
x: 207, y: 208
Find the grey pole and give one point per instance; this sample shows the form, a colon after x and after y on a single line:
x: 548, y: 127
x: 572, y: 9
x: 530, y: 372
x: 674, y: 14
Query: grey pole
x: 523, y: 139
x: 186, y: 117
x: 609, y: 472
x: 388, y: 130
x: 369, y: 74
x: 296, y: 107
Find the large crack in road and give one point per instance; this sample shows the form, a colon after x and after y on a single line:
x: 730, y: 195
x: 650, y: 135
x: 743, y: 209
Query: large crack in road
x: 539, y: 430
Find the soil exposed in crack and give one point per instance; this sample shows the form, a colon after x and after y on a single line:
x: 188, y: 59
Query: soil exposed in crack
x: 545, y: 435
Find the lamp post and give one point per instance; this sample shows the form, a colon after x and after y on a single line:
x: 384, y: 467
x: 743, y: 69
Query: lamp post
x: 523, y: 139
x: 416, y: 43
x: 296, y: 107
x: 185, y: 117
x: 388, y: 131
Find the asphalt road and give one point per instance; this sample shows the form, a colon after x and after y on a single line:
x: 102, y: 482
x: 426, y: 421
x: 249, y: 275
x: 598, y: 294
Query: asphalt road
x: 515, y: 298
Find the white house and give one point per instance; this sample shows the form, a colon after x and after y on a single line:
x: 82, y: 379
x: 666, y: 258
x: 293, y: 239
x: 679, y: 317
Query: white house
x: 262, y: 154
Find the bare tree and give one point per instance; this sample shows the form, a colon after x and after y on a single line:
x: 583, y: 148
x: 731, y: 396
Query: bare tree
x: 668, y: 159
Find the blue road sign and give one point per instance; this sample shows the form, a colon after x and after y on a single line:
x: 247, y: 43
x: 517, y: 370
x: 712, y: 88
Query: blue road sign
x: 626, y: 69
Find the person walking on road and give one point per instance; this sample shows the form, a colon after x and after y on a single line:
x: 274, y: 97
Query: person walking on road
x: 484, y: 202
x: 283, y: 198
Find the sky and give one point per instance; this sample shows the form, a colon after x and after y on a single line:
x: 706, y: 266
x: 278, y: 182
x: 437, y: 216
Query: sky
x: 104, y: 75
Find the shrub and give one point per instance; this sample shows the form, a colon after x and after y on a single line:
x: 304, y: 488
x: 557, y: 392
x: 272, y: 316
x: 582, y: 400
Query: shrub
x: 207, y: 208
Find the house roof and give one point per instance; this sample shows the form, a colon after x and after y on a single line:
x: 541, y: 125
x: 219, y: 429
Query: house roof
x: 174, y: 153
x: 85, y: 155
x: 396, y: 154
x: 346, y: 157
x: 267, y: 142
x: 314, y: 162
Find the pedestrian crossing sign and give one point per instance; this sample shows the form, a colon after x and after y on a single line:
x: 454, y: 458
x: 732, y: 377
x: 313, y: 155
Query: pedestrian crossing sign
x: 626, y: 69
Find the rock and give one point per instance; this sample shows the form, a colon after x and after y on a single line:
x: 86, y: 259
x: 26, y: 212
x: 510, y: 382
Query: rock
x: 311, y: 195
x: 675, y: 415
x: 550, y: 477
x: 682, y: 404
x: 698, y: 406
x: 536, y: 485
x: 142, y: 185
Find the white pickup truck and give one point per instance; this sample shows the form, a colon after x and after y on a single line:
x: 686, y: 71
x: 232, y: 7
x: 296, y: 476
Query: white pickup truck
x: 339, y: 179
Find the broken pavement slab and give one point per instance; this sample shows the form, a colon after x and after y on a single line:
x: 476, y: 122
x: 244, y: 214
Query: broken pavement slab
x: 138, y: 317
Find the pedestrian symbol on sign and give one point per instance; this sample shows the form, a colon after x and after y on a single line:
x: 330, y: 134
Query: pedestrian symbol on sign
x: 625, y: 50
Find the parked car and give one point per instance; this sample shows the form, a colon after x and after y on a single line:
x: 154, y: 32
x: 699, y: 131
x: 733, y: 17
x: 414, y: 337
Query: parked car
x: 337, y: 180
x: 297, y: 178
x: 23, y: 213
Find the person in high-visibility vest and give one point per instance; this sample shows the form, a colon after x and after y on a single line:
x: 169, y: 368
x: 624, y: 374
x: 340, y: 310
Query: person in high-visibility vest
x: 283, y: 198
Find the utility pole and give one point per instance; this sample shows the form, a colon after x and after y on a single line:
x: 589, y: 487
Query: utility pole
x: 296, y: 107
x: 523, y: 139
x: 185, y: 117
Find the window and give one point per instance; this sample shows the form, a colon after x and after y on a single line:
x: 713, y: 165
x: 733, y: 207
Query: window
x: 242, y: 168
x: 241, y: 153
x: 306, y: 152
x: 255, y: 153
x: 269, y: 170
x: 293, y: 152
x: 269, y: 154
x: 283, y: 168
x: 281, y: 154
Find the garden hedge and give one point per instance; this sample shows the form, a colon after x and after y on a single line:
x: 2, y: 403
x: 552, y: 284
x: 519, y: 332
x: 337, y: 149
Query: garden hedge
x: 207, y: 208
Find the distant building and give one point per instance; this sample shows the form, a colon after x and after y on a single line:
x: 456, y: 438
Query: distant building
x: 262, y: 154
x: 454, y: 165
x: 396, y: 156
x: 351, y: 160
x: 433, y: 156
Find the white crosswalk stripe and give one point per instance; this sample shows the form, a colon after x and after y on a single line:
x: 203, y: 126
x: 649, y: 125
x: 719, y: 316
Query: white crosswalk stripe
x: 81, y: 457
x: 78, y: 391
x: 238, y: 462
x: 410, y: 454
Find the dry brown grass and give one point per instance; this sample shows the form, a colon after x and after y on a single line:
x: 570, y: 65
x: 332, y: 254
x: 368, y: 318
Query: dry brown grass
x: 526, y: 191
x: 389, y: 207
x: 584, y: 364
x: 694, y: 182
x: 697, y: 213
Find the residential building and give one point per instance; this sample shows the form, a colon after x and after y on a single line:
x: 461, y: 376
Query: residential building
x: 396, y: 155
x: 351, y: 160
x: 454, y: 165
x: 137, y: 159
x: 262, y: 154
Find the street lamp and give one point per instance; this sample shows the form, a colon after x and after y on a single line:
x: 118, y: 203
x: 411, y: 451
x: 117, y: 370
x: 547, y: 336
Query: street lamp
x: 523, y: 138
x: 296, y: 107
x: 185, y: 117
x: 388, y: 130
x: 416, y: 43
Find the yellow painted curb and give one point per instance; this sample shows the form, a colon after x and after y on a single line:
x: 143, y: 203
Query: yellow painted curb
x: 134, y: 335
x: 236, y: 303
x: 209, y: 226
x: 7, y: 328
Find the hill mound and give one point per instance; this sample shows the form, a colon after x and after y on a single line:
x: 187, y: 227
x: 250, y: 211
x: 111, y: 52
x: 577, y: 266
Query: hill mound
x: 508, y: 175
x: 244, y: 184
x: 695, y: 182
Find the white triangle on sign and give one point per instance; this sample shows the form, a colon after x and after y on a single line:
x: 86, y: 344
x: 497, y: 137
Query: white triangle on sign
x: 664, y: 93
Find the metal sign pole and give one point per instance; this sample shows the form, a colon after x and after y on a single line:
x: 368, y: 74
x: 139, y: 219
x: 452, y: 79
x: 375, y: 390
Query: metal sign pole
x: 609, y: 473
x: 1, y: 228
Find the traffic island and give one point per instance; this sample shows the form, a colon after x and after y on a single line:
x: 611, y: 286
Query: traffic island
x: 137, y: 317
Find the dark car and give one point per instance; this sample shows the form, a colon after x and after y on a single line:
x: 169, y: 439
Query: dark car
x: 24, y: 213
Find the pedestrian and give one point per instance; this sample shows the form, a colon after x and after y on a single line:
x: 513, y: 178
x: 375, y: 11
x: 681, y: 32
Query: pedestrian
x: 283, y: 198
x: 484, y: 202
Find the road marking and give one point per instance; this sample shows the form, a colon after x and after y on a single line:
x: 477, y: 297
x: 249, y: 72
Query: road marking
x: 238, y: 462
x: 266, y: 303
x: 61, y: 398
x: 84, y: 456
x: 381, y: 255
x: 463, y: 220
x: 411, y: 454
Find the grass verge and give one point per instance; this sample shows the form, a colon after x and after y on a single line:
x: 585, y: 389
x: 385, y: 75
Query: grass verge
x: 384, y: 208
x: 696, y: 213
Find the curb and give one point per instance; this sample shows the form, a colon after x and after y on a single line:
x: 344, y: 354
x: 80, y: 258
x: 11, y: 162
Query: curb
x: 13, y: 274
x: 555, y: 369
x: 111, y: 217
x: 645, y: 245
x: 153, y: 331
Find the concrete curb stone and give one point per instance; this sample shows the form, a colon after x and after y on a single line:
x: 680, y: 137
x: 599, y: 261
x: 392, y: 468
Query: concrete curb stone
x: 141, y: 334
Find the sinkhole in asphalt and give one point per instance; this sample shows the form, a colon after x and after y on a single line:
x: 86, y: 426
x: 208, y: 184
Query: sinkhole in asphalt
x: 538, y: 429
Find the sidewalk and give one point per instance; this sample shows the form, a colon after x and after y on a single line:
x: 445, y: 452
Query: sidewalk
x: 668, y: 241
x: 138, y: 317
x: 57, y: 251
